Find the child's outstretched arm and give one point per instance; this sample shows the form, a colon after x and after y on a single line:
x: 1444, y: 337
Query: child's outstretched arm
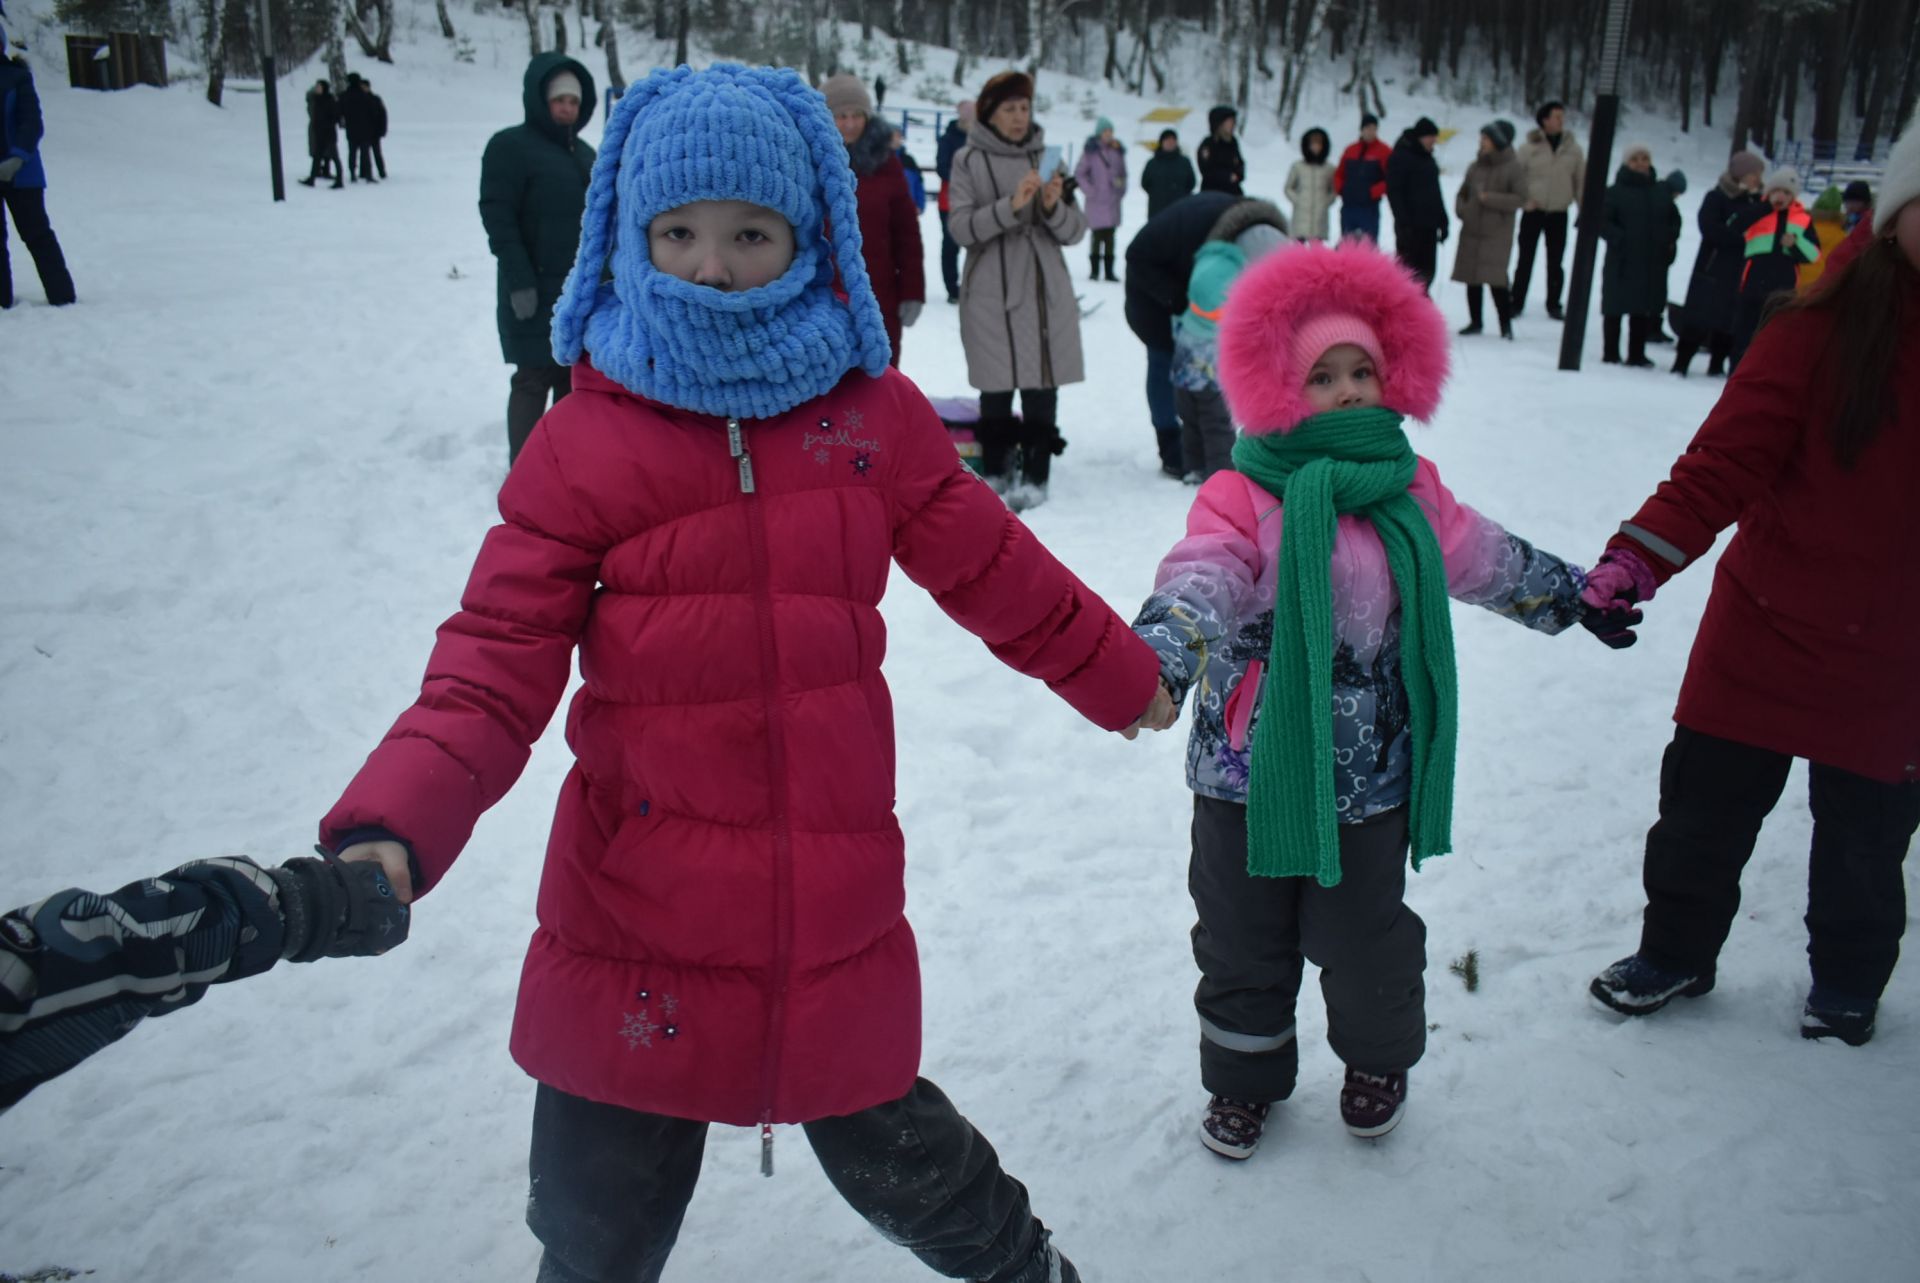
x: 954, y: 537
x: 1488, y: 566
x: 496, y: 673
x: 79, y: 970
x: 1205, y: 583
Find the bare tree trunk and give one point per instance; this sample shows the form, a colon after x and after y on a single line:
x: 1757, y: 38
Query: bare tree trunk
x: 1756, y: 66
x: 682, y: 22
x: 1036, y: 35
x: 216, y: 51
x: 1297, y: 64
x: 383, y: 42
x: 532, y: 15
x: 446, y: 20
x: 1110, y: 23
x: 1885, y: 70
x: 609, y: 41
x: 358, y: 30
x: 1910, y: 81
x: 336, y: 47
x: 559, y: 32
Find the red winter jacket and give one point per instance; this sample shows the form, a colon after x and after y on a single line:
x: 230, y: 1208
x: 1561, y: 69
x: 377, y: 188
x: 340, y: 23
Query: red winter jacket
x: 1810, y: 644
x: 1363, y: 166
x: 721, y: 934
x: 890, y: 243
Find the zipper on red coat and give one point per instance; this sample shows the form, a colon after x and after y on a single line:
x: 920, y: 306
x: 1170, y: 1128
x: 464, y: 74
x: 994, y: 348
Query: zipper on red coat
x: 777, y: 782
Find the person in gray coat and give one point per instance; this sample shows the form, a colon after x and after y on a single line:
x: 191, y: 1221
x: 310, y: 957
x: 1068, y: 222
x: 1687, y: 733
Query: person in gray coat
x: 1490, y: 196
x: 1019, y: 321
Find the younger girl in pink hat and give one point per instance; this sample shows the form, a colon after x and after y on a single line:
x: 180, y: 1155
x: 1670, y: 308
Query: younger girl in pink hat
x: 1306, y: 610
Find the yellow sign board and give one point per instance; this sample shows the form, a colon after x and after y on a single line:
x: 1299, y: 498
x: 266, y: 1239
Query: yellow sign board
x: 1166, y: 115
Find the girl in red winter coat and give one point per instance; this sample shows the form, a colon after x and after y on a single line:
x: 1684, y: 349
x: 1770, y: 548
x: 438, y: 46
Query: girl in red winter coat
x: 1811, y: 639
x: 710, y: 520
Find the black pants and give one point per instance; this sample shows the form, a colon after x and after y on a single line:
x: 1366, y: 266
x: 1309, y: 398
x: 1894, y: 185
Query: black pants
x: 1502, y: 306
x: 1719, y: 345
x: 1102, y: 239
x: 326, y: 164
x: 1206, y: 431
x: 949, y: 259
x: 534, y: 387
x: 1746, y: 322
x: 1035, y: 435
x: 1713, y: 795
x: 610, y: 1187
x: 1533, y: 223
x: 1253, y: 935
x: 379, y: 160
x: 360, y: 160
x: 1419, y: 249
x: 1638, y: 328
x: 28, y: 208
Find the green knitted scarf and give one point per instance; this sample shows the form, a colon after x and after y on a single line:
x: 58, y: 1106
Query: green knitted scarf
x: 1359, y: 462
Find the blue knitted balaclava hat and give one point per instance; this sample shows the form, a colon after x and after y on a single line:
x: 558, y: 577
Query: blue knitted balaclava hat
x: 755, y: 134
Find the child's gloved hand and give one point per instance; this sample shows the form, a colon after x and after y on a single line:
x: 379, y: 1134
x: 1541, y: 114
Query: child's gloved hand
x: 1620, y: 580
x: 333, y: 909
x: 1161, y: 713
x: 524, y: 304
x: 910, y: 311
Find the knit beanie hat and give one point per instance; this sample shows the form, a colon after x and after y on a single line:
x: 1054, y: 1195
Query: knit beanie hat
x: 1784, y: 179
x: 1902, y: 181
x: 1425, y: 128
x: 1637, y: 149
x: 1676, y: 182
x: 1288, y: 309
x: 1005, y: 87
x: 753, y: 134
x: 1744, y: 163
x: 1857, y: 190
x: 847, y: 93
x: 1368, y: 118
x: 1501, y: 131
x: 1101, y: 126
x: 965, y: 112
x: 564, y: 84
x: 1259, y: 241
x: 1220, y: 114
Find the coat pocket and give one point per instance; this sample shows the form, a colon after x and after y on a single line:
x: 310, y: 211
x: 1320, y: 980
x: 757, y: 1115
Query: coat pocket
x: 1241, y: 705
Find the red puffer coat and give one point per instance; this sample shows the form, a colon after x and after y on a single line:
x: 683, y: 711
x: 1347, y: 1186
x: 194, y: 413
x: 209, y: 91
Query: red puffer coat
x: 1810, y: 643
x: 721, y: 933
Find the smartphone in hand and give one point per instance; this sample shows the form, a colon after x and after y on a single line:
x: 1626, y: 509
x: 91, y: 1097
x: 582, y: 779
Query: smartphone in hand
x: 1052, y: 162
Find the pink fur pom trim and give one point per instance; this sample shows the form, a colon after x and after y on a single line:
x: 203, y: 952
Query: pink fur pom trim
x: 1275, y: 297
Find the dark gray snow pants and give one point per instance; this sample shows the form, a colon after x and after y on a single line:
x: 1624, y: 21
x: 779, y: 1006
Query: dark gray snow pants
x: 1255, y: 934
x: 610, y: 1187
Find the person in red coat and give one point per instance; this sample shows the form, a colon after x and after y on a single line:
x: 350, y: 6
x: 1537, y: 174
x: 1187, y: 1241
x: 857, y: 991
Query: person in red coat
x: 709, y: 520
x: 1810, y: 643
x: 1360, y: 180
x: 889, y: 220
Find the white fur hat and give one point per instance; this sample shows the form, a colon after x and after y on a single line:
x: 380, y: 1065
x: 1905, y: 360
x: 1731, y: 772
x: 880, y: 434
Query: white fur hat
x: 1902, y: 181
x: 1784, y: 179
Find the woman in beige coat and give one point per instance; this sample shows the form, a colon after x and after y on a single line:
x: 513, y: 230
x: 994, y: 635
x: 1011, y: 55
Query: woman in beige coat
x: 1492, y: 192
x: 1019, y: 321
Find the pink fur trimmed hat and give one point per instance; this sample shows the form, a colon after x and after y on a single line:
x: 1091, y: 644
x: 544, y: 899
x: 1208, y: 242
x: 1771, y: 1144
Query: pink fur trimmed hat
x: 1310, y: 296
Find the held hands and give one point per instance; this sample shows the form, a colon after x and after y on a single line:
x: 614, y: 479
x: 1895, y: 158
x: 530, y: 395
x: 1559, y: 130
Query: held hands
x: 392, y: 858
x: 1620, y: 580
x: 1161, y: 713
x: 1029, y: 188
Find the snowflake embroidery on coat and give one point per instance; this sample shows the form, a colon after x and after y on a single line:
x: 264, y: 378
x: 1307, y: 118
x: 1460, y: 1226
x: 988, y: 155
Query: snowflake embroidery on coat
x: 863, y: 463
x: 822, y: 456
x: 853, y: 420
x: 637, y: 1029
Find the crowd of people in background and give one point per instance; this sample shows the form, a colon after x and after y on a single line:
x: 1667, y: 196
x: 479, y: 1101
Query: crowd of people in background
x: 363, y: 115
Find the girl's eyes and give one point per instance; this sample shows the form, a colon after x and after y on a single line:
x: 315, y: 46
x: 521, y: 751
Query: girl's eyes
x: 753, y: 236
x: 1364, y: 372
x: 1320, y: 378
x: 677, y: 233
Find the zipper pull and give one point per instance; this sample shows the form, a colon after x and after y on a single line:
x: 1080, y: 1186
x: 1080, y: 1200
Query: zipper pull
x: 766, y: 1147
x: 737, y: 447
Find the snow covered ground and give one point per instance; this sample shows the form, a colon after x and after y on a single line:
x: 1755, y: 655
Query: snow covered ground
x: 244, y: 480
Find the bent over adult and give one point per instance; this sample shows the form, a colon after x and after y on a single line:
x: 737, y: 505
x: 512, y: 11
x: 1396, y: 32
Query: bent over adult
x: 1810, y: 639
x: 533, y: 191
x: 1019, y: 321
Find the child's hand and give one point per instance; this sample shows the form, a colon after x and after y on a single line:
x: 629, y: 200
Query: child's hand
x: 1161, y: 713
x: 392, y: 858
x: 1620, y: 580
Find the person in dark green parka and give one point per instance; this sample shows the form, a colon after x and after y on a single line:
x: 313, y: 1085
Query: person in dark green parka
x: 533, y: 191
x: 1641, y: 226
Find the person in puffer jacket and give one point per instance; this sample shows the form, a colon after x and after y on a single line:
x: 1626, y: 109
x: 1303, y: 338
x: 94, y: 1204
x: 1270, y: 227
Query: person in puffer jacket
x: 1319, y: 656
x: 710, y: 519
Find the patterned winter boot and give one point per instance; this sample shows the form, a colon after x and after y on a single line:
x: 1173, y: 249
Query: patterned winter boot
x: 1232, y: 1128
x: 1635, y: 987
x: 1835, y: 1015
x: 1371, y: 1104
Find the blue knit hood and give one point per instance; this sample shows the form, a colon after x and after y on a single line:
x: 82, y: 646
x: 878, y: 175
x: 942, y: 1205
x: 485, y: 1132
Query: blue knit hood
x: 754, y: 134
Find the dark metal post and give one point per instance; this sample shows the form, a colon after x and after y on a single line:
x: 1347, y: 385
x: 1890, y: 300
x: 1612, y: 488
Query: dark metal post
x: 1606, y: 114
x: 270, y: 78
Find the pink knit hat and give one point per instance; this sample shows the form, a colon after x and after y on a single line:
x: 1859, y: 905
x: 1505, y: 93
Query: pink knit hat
x: 1316, y: 337
x: 1286, y: 310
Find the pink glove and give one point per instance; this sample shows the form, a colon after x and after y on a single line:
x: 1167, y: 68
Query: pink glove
x: 1621, y: 579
